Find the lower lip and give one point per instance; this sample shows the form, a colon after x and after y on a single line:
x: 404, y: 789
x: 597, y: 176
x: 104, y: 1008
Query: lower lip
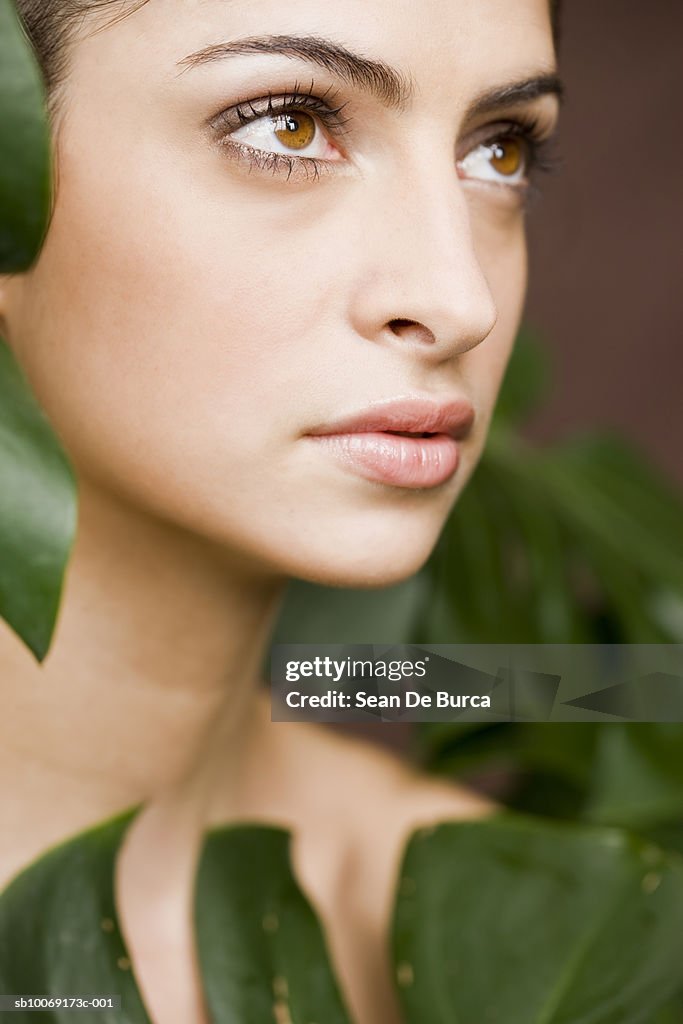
x: 413, y: 462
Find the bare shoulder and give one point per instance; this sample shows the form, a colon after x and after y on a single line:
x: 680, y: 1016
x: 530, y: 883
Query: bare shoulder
x: 377, y: 788
x: 332, y: 773
x: 410, y: 795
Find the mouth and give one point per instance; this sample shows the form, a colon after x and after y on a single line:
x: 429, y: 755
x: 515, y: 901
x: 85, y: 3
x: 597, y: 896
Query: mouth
x: 409, y: 443
x: 407, y: 433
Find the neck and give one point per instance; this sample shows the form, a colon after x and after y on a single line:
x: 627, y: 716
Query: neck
x: 154, y: 670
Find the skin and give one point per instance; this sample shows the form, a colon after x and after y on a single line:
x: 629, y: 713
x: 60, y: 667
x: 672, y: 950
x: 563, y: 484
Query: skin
x: 187, y: 322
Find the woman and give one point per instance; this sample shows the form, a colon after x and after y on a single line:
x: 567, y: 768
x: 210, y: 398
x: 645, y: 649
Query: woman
x: 282, y: 237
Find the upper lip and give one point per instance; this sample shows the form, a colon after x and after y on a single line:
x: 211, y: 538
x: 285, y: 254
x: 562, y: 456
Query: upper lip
x: 407, y: 415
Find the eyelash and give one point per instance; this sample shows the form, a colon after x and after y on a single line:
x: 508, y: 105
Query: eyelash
x: 248, y: 111
x: 526, y: 128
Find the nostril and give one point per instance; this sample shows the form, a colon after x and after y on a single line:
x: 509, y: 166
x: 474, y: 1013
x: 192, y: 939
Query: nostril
x: 406, y: 329
x: 397, y: 325
x: 411, y: 330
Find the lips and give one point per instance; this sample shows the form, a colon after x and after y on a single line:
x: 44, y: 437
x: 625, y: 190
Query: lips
x: 412, y: 417
x: 411, y: 443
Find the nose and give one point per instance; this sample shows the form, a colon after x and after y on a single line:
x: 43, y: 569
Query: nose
x: 420, y: 284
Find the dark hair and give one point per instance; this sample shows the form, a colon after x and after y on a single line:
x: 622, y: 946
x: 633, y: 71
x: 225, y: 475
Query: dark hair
x: 51, y: 25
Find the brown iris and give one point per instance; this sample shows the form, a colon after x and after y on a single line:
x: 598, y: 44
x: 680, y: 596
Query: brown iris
x: 295, y: 129
x: 507, y: 156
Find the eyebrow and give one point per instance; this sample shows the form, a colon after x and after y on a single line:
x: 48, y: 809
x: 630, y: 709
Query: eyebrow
x: 388, y: 84
x: 526, y: 91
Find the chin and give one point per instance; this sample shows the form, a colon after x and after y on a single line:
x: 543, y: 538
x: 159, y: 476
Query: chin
x: 363, y: 539
x: 364, y: 563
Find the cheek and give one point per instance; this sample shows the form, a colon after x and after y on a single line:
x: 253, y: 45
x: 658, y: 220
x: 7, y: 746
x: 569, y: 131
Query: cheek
x: 152, y: 355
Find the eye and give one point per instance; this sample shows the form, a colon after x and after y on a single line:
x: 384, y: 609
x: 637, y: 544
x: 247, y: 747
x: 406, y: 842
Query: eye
x: 294, y: 131
x: 506, y: 160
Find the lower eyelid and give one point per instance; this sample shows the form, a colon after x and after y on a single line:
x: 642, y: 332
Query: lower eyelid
x: 273, y: 162
x: 515, y: 187
x: 514, y: 195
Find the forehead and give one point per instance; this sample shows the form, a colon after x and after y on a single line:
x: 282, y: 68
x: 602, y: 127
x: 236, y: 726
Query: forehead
x: 439, y: 43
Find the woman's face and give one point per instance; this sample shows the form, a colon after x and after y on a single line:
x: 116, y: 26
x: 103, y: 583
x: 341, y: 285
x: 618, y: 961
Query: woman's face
x: 215, y: 289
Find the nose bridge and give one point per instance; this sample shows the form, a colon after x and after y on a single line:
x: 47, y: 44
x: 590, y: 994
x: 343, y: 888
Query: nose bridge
x: 419, y: 236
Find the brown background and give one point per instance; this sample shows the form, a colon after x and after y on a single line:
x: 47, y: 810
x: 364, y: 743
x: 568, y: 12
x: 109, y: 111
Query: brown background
x: 607, y: 235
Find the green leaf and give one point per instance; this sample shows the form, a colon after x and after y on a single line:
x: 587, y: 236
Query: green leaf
x: 525, y: 383
x: 623, y: 514
x: 25, y: 148
x: 260, y: 944
x: 638, y: 775
x: 668, y: 835
x: 650, y: 504
x: 671, y: 1014
x: 37, y: 492
x: 510, y: 920
x: 59, y: 932
x: 38, y: 512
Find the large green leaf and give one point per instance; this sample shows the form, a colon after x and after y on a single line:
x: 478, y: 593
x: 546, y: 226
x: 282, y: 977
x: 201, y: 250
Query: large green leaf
x: 59, y: 932
x: 37, y: 493
x: 509, y: 920
x: 24, y: 145
x: 260, y: 944
x: 38, y: 511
